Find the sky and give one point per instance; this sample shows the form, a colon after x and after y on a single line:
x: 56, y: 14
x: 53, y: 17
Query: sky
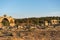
x: 30, y: 8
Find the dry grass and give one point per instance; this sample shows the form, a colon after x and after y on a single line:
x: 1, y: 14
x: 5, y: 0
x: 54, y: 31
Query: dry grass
x: 36, y: 34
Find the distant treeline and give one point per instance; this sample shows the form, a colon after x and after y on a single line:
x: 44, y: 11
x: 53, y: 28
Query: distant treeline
x: 34, y: 20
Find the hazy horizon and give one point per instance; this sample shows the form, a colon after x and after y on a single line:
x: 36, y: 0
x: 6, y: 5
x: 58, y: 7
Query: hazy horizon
x: 29, y: 8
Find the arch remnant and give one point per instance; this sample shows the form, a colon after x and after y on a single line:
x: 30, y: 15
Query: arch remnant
x: 7, y: 18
